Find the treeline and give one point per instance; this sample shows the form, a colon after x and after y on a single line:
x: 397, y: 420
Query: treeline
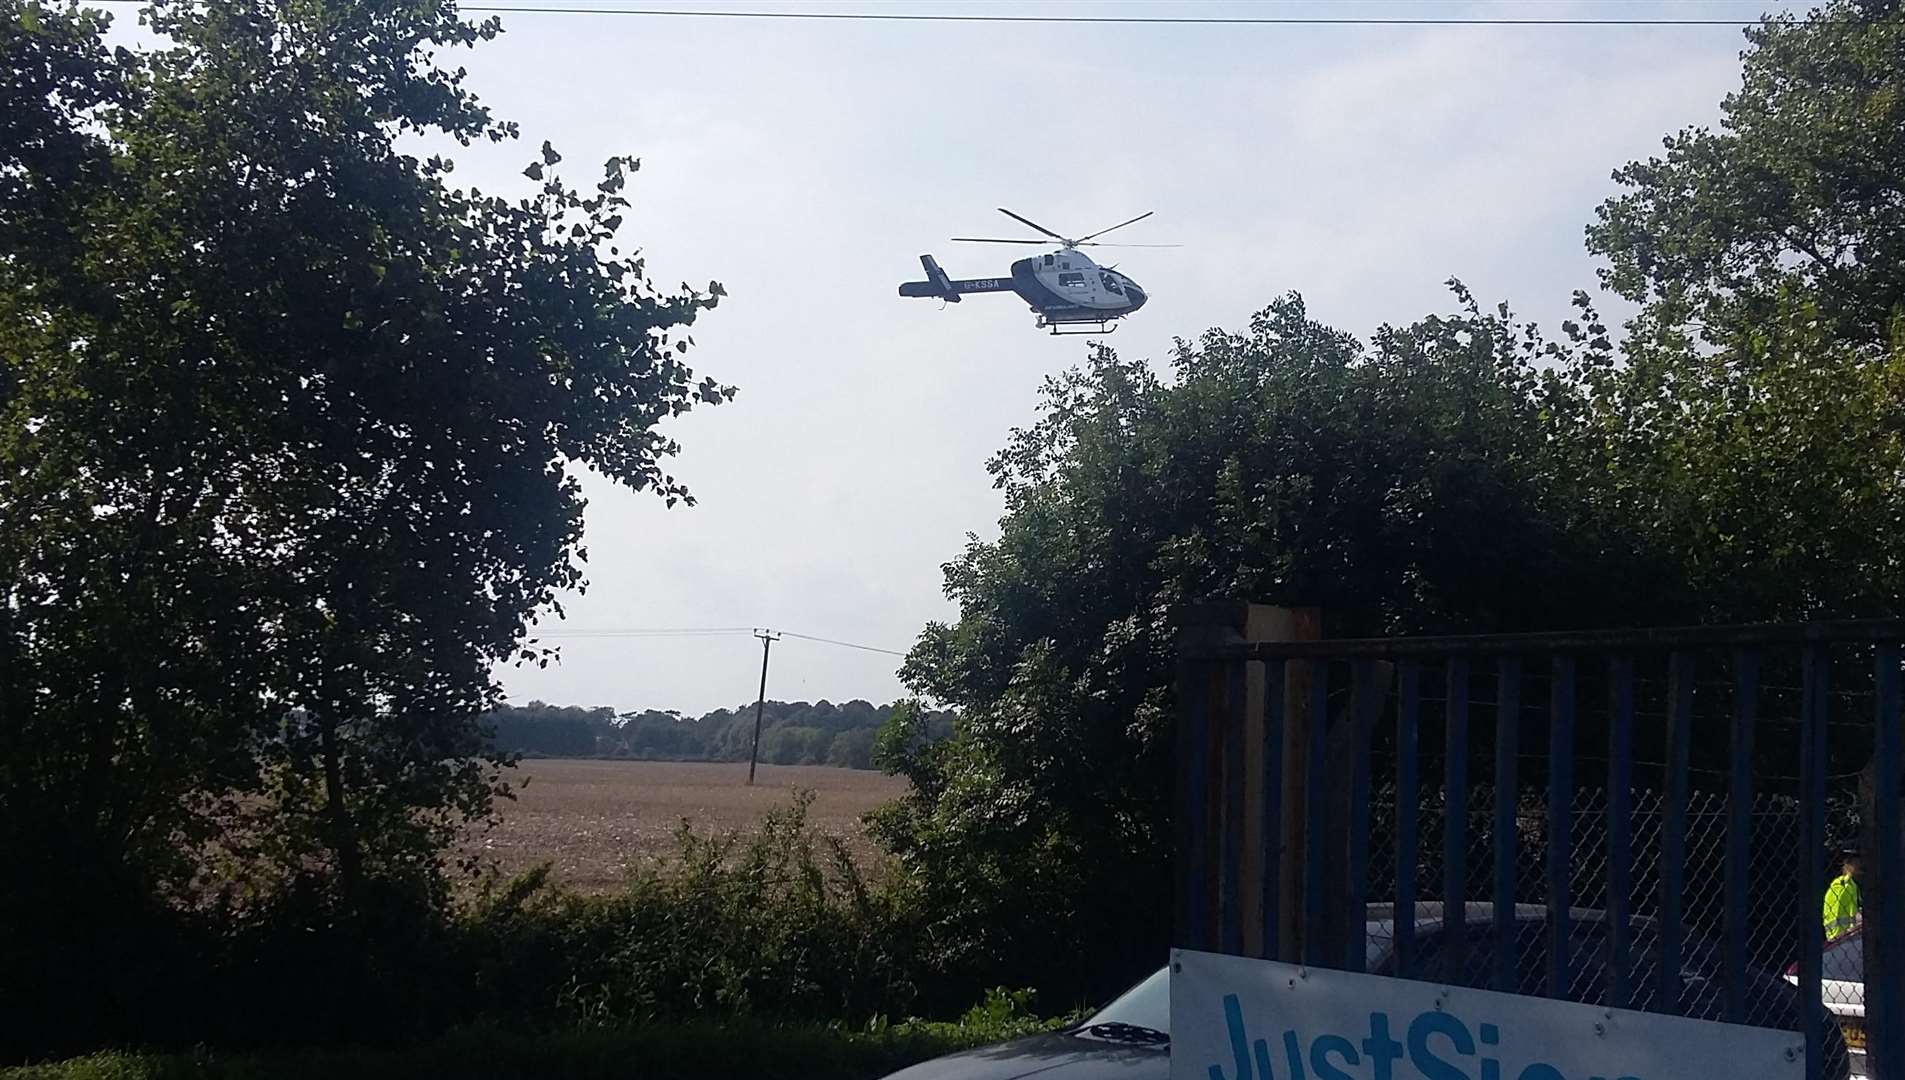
x: 792, y: 732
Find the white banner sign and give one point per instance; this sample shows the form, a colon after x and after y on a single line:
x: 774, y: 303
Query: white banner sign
x: 1234, y: 1018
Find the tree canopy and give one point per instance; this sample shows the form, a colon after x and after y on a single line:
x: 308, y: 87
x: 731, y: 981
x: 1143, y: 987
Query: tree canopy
x: 792, y: 732
x: 1802, y: 190
x: 1424, y: 482
x: 1755, y: 427
x: 287, y: 429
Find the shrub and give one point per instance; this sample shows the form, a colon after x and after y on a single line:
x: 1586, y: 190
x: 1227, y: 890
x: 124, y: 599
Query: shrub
x: 741, y: 1048
x: 778, y: 922
x: 773, y: 925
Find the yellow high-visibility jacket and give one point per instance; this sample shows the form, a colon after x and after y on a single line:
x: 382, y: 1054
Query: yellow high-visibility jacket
x: 1842, y: 906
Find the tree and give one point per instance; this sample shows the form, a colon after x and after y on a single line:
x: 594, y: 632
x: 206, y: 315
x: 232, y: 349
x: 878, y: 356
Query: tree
x: 1418, y: 484
x: 1761, y: 418
x: 792, y: 733
x: 1771, y: 470
x: 539, y: 729
x: 57, y: 74
x: 1756, y: 420
x: 286, y: 424
x: 852, y: 748
x: 1802, y: 188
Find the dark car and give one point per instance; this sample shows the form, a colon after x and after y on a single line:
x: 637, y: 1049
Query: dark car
x: 1130, y: 1038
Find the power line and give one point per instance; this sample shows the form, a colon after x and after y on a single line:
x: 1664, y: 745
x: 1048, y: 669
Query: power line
x: 842, y: 644
x: 1127, y: 20
x: 1138, y: 20
x: 625, y: 632
x: 703, y: 631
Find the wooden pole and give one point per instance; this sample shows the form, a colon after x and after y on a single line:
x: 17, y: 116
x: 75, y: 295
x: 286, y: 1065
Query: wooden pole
x: 1201, y: 627
x: 768, y: 638
x: 1304, y: 624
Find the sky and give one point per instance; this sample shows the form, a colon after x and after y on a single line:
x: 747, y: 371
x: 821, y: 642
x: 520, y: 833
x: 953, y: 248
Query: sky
x: 807, y: 165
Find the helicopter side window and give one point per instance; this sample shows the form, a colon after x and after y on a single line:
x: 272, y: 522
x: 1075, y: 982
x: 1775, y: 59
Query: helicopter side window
x: 1111, y: 284
x: 1071, y: 281
x: 1049, y: 260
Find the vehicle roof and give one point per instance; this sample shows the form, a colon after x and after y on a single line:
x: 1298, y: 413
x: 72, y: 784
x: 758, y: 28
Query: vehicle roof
x: 1430, y: 913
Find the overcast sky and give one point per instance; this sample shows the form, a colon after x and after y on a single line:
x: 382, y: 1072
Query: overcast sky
x: 807, y: 165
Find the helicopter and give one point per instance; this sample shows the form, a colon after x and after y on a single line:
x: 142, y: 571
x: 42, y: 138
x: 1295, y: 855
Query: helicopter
x: 1064, y: 287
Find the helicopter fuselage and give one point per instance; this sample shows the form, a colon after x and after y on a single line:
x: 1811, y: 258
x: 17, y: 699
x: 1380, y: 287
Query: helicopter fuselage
x: 1066, y: 286
x: 1062, y: 287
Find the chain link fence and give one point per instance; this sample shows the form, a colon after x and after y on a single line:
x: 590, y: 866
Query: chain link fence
x: 1776, y: 915
x: 1775, y: 825
x: 1707, y: 779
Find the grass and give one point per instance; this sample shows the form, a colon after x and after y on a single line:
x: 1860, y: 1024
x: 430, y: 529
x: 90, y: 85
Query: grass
x: 597, y: 819
x: 757, y: 1051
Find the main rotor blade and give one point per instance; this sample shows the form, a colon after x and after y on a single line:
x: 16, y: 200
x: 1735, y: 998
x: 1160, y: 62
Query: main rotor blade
x: 1119, y: 225
x: 1082, y: 243
x: 989, y: 240
x: 1028, y: 221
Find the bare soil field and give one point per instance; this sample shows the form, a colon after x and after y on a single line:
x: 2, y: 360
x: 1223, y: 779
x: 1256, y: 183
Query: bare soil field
x: 596, y: 819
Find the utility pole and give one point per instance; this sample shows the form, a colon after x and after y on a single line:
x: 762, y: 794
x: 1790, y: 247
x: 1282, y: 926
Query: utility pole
x: 768, y: 638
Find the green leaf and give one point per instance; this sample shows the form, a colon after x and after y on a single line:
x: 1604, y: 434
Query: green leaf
x: 276, y: 514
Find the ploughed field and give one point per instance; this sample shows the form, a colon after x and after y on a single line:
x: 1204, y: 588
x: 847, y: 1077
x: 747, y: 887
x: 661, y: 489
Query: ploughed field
x: 595, y: 819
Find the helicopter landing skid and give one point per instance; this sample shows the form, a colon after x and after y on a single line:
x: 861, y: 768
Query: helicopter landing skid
x: 1085, y: 329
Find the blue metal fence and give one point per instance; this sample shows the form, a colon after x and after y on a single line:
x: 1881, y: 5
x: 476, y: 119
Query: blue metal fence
x: 1345, y: 741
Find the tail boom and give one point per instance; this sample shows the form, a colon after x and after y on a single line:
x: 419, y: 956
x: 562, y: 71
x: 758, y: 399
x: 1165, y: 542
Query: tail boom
x: 937, y: 284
